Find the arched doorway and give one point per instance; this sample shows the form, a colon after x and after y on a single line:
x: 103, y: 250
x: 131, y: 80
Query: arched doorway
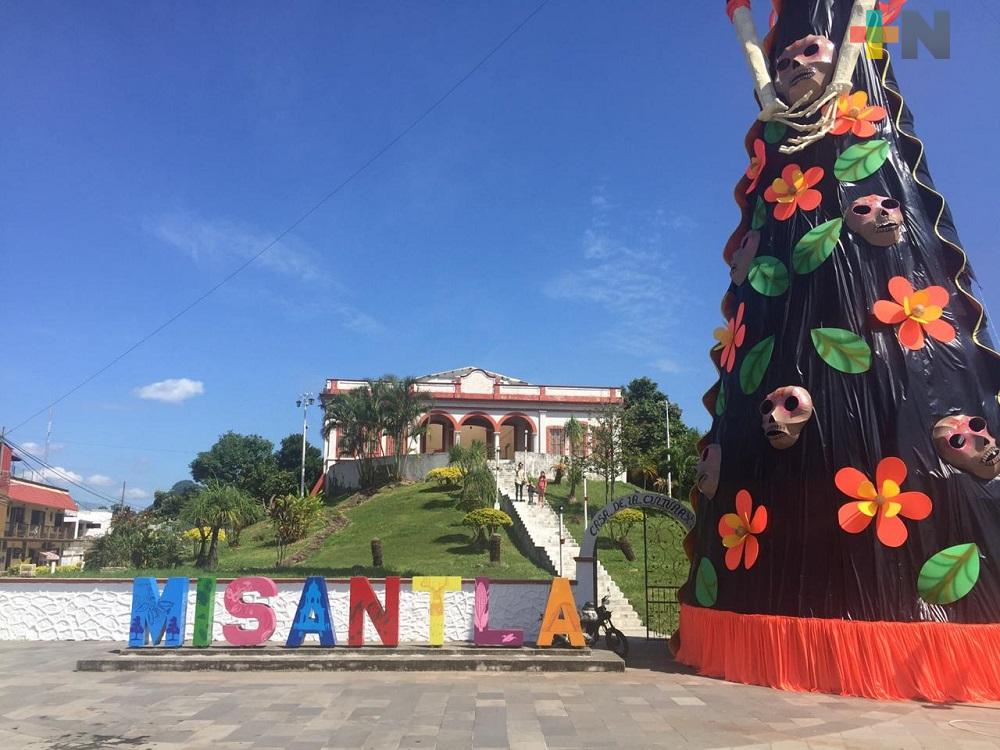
x: 439, y: 436
x: 479, y: 428
x: 517, y: 433
x: 659, y: 542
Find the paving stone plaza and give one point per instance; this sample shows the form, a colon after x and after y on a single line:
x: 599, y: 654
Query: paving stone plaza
x: 45, y: 704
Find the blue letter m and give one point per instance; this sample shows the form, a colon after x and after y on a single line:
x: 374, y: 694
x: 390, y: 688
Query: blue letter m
x: 155, y: 615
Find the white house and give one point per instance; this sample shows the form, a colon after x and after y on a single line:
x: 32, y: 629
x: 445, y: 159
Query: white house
x: 507, y: 414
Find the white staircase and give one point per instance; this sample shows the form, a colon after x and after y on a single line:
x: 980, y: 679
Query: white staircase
x: 542, y: 525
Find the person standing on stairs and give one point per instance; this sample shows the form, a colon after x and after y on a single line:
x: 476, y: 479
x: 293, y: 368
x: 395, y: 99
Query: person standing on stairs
x: 542, y: 483
x: 520, y: 477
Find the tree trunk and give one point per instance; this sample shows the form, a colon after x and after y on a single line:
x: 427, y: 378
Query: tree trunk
x: 213, y: 551
x: 201, y: 559
x: 494, y: 549
x: 625, y: 545
x: 376, y: 553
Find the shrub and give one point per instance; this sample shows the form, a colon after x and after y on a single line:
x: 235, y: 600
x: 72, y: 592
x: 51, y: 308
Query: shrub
x: 445, y: 476
x: 619, y: 526
x: 196, y: 534
x: 292, y: 516
x: 479, y: 489
x: 138, y: 540
x: 485, y: 522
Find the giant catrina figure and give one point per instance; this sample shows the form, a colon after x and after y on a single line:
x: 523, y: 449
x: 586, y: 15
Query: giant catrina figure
x: 848, y: 534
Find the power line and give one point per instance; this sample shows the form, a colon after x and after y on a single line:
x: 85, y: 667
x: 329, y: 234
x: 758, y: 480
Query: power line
x: 28, y: 458
x: 138, y: 449
x: 291, y: 227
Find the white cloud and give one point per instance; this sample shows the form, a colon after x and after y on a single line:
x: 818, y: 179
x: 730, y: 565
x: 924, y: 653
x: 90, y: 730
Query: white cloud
x: 668, y: 365
x: 100, y: 480
x: 221, y: 240
x: 228, y: 243
x: 171, y: 391
x: 38, y: 449
x: 135, y: 493
x: 55, y: 475
x: 627, y: 271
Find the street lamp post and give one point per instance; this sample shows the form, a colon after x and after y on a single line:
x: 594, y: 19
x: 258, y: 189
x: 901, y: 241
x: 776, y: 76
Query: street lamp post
x: 304, y: 402
x: 670, y: 473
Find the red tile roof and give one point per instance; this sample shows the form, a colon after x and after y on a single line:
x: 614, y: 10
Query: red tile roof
x: 22, y: 491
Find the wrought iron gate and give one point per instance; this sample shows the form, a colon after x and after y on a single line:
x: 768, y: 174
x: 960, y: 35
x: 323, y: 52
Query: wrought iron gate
x: 665, y: 569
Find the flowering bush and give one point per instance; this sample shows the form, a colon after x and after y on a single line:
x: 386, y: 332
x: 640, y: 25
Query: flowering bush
x: 196, y: 534
x: 446, y: 476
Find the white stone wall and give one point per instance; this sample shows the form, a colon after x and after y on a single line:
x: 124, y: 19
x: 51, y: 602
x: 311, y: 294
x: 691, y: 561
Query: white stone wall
x: 49, y: 610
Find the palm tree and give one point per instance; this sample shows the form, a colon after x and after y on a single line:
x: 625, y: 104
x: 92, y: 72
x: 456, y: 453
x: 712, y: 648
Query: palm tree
x: 399, y: 405
x: 355, y: 413
x: 220, y: 506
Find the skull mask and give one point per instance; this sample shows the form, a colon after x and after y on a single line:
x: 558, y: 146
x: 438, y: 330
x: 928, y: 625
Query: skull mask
x: 709, y: 467
x: 739, y: 267
x: 965, y: 442
x: 879, y: 220
x: 785, y: 413
x: 804, y: 68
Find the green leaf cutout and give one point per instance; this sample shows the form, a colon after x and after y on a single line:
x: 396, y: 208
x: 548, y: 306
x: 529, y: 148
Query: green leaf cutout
x: 843, y: 350
x: 706, y: 583
x: 861, y: 160
x: 755, y: 365
x: 816, y: 246
x: 947, y: 576
x: 720, y: 400
x: 769, y: 276
x: 759, y: 214
x: 774, y: 132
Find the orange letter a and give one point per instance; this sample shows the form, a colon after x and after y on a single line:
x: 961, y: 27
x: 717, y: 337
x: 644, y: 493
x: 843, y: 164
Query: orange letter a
x: 560, y: 616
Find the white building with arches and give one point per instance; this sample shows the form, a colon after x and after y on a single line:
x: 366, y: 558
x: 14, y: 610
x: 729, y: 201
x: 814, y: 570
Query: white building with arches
x: 507, y: 414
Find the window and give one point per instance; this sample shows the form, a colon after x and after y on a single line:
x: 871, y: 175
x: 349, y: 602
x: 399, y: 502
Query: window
x: 557, y: 440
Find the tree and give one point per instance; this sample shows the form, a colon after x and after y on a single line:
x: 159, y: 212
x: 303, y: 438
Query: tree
x: 485, y: 522
x: 138, y: 540
x: 220, y: 506
x: 607, y: 454
x: 168, y: 504
x: 479, y: 487
x: 288, y: 457
x: 575, y: 436
x: 355, y: 414
x: 399, y: 405
x: 292, y: 517
x: 245, y: 462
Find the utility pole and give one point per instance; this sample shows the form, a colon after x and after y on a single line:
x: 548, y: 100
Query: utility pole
x: 670, y: 473
x: 48, y: 437
x: 304, y: 402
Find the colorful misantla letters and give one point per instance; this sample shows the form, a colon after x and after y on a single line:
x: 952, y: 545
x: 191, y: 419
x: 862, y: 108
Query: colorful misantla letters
x: 161, y: 617
x: 155, y: 615
x: 436, y: 586
x: 384, y: 619
x: 482, y: 635
x: 204, y: 613
x: 312, y: 615
x: 237, y: 606
x: 560, y: 616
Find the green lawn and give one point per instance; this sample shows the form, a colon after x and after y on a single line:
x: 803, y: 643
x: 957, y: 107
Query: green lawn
x: 421, y: 533
x: 668, y: 565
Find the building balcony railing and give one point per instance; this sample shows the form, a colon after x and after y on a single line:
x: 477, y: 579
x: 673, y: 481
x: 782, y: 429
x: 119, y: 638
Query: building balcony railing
x: 36, y: 531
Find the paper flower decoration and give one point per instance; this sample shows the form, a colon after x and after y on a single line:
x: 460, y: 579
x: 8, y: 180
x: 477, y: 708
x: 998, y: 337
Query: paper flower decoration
x: 731, y: 337
x: 794, y: 190
x: 757, y: 163
x: 738, y: 531
x: 855, y: 116
x: 882, y: 500
x: 915, y: 312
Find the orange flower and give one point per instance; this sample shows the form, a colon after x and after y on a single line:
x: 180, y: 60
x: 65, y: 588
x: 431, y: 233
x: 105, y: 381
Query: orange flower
x: 855, y: 116
x: 885, y: 504
x: 918, y: 311
x: 738, y: 532
x: 757, y: 162
x: 731, y: 337
x: 794, y: 190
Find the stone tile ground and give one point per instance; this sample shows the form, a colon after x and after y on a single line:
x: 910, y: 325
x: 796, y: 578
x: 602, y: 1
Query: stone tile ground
x: 45, y: 704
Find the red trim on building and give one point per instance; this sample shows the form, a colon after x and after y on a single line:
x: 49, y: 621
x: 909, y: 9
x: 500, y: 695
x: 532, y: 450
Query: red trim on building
x: 522, y: 415
x: 480, y: 414
x: 443, y: 415
x: 30, y: 493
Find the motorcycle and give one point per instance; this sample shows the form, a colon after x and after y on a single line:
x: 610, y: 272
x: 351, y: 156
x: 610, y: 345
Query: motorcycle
x: 595, y: 619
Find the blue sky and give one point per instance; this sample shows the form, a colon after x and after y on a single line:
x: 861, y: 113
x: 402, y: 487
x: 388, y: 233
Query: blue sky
x: 559, y: 218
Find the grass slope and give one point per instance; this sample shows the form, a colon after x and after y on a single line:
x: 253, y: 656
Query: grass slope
x: 421, y: 533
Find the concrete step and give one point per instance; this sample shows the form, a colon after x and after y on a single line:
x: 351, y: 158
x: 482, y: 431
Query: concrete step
x: 407, y: 658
